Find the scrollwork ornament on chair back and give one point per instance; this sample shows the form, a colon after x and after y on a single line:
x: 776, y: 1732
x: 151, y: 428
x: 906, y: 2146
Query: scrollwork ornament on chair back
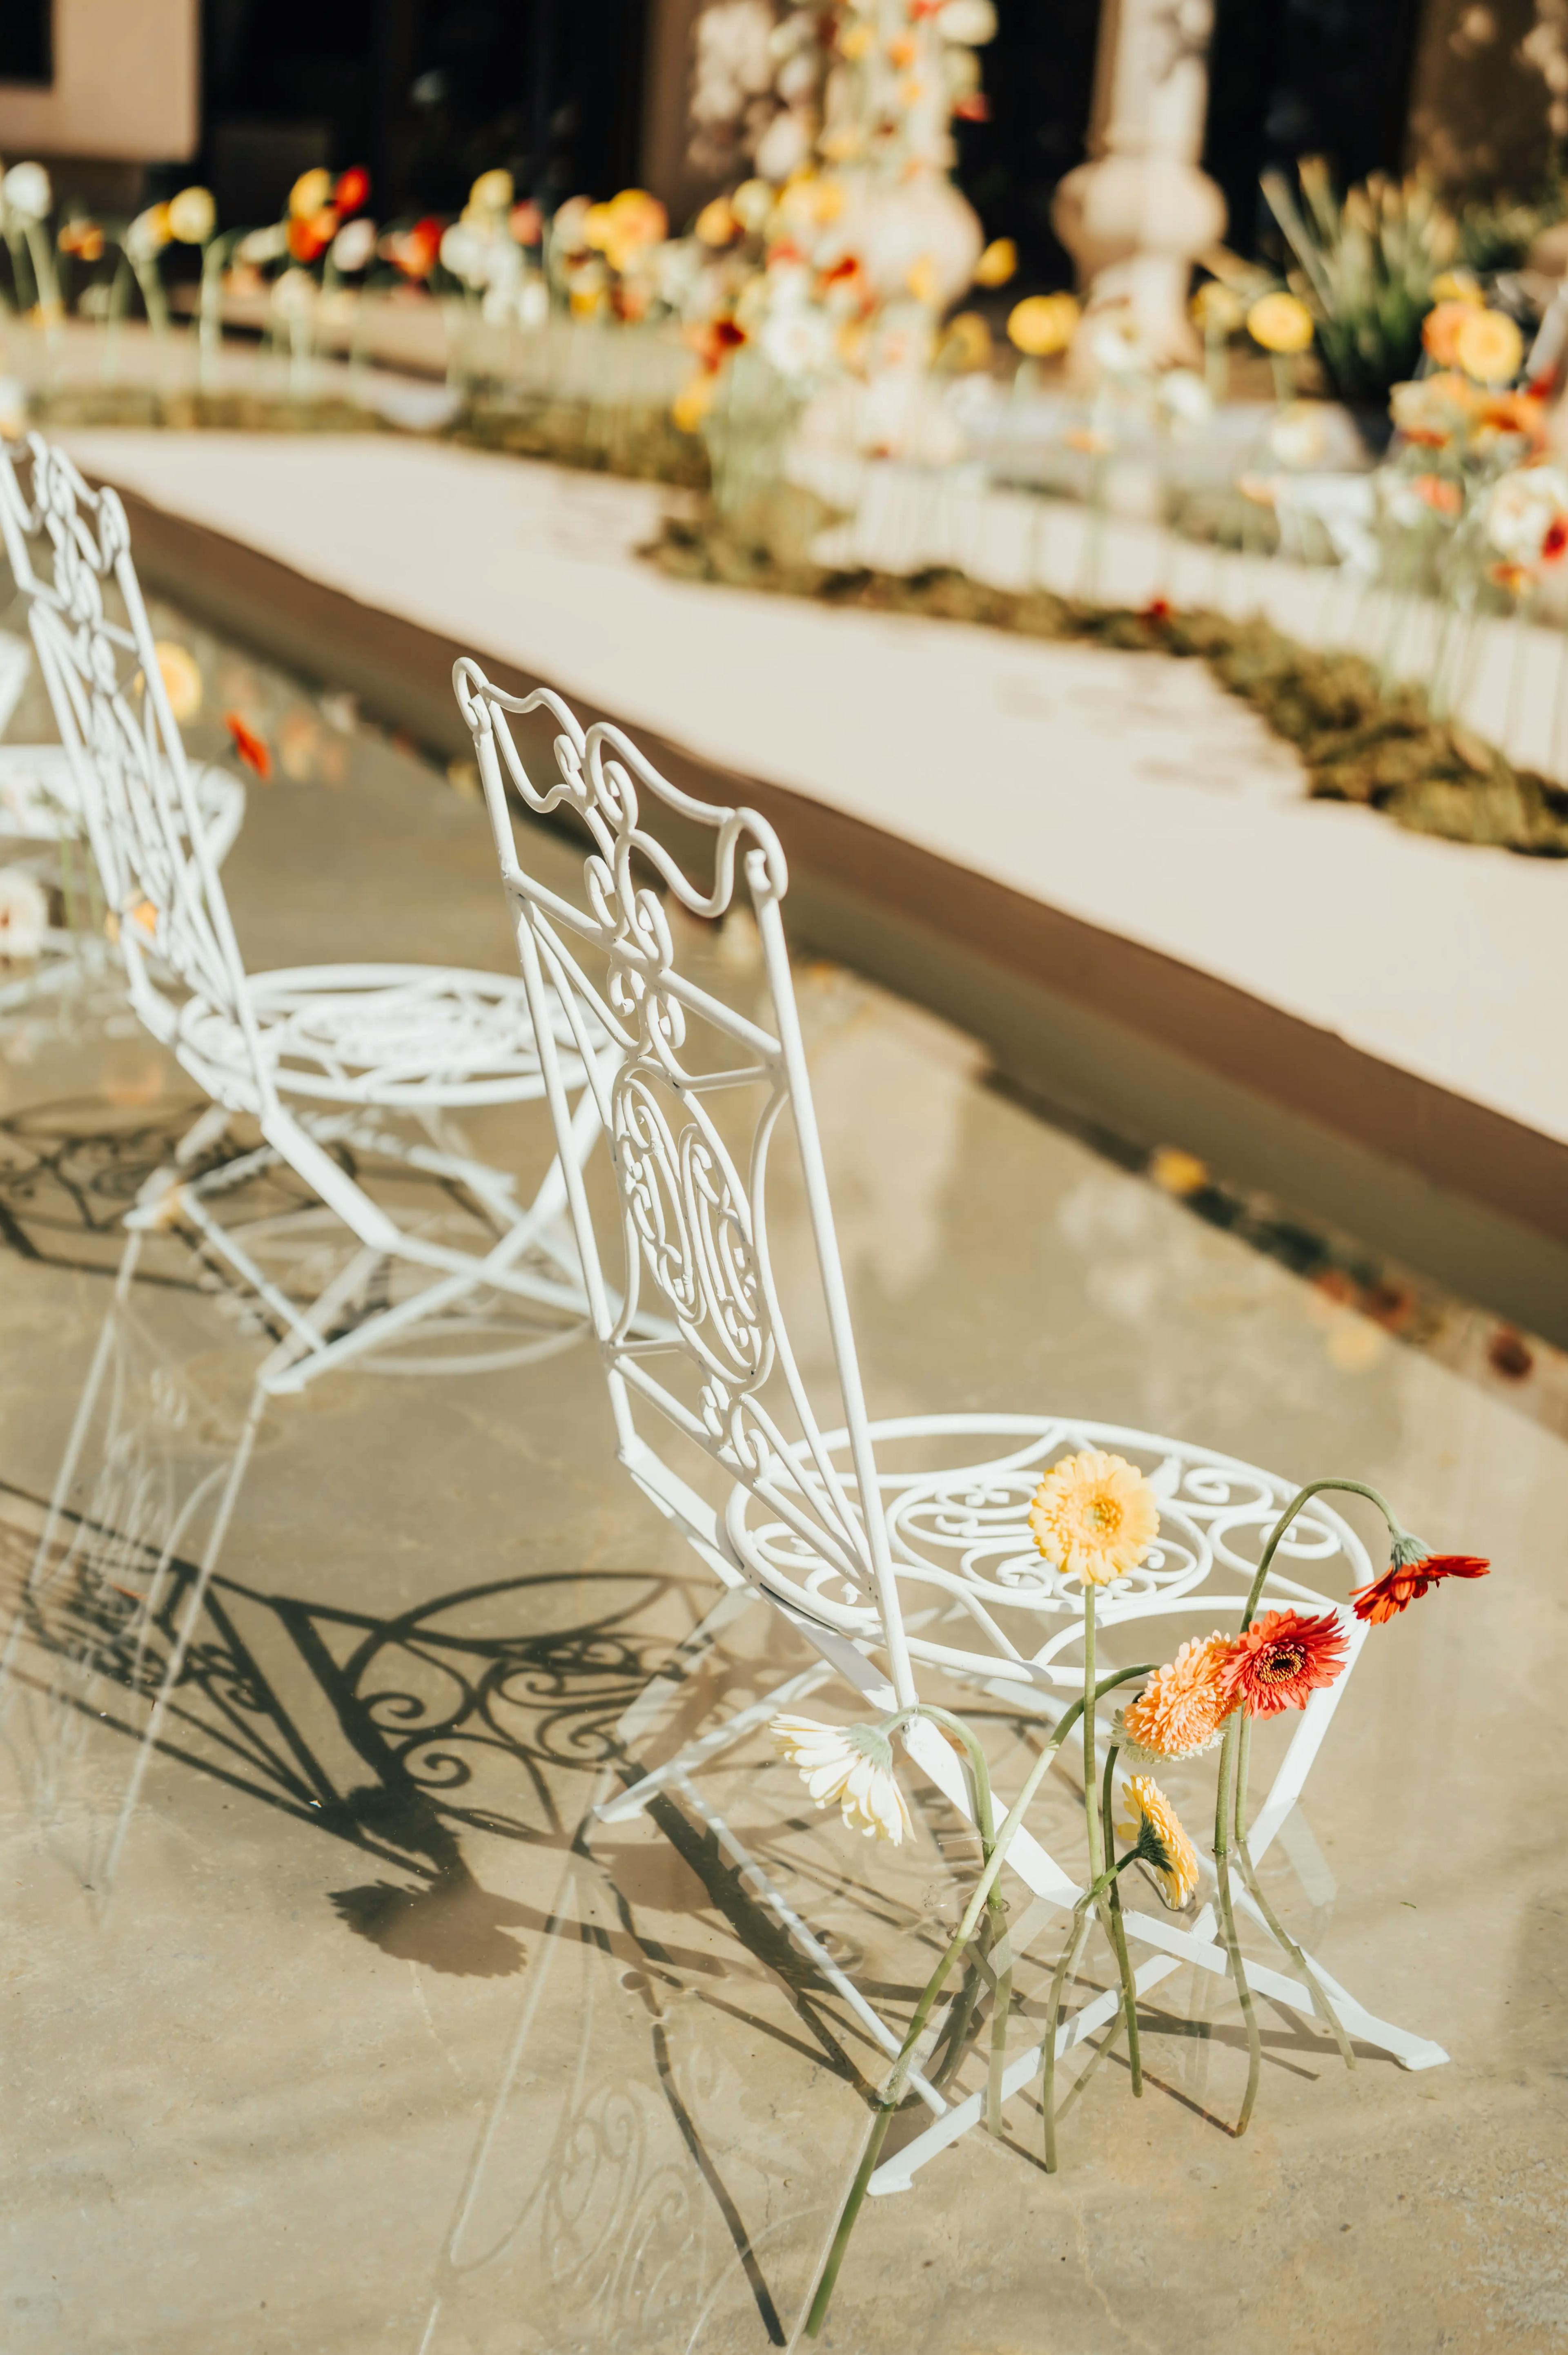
x: 692, y: 1205
x: 67, y: 546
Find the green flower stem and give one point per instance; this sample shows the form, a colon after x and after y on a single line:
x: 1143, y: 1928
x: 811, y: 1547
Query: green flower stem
x: 1091, y: 1808
x: 1324, y: 2008
x: 1233, y: 1945
x: 1110, y: 1913
x: 1302, y: 1497
x: 1068, y: 1963
x: 893, y: 2092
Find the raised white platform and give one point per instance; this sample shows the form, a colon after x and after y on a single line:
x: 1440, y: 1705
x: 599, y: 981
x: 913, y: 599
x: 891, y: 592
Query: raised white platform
x: 1124, y: 792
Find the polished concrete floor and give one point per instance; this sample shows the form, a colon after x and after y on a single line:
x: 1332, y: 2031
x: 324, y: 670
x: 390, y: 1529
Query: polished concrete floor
x: 331, y: 2019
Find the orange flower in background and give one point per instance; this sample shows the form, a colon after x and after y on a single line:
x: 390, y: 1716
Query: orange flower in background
x: 1440, y: 331
x: 1432, y: 409
x: 712, y: 340
x: 1281, y: 1660
x: 1439, y: 494
x: 1409, y: 1574
x: 1179, y: 1711
x: 1281, y: 324
x: 82, y: 237
x: 415, y: 252
x: 353, y: 190
x: 309, y: 235
x: 997, y: 264
x: 1504, y: 413
x: 249, y: 747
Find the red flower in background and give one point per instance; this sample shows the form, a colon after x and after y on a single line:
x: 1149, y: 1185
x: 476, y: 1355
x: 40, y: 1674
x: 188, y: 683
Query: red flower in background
x: 1282, y: 1658
x: 352, y: 188
x: 310, y: 238
x: 250, y: 748
x: 1412, y: 1570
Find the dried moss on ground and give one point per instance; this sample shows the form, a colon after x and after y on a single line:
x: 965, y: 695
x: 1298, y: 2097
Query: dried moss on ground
x: 1357, y: 742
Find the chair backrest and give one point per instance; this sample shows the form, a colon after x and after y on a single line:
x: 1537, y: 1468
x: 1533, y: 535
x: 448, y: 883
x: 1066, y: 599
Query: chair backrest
x: 682, y: 1068
x: 69, y: 544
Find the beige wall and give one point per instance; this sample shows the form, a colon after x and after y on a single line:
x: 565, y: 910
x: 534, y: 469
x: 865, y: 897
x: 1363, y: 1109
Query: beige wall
x: 126, y: 85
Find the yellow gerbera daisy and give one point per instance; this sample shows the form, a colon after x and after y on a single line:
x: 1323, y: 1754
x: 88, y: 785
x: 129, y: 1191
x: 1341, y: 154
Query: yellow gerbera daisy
x: 1155, y: 1832
x: 1095, y: 1517
x: 1180, y: 1709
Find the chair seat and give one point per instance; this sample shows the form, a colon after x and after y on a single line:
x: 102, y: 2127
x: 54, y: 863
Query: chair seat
x: 40, y: 801
x: 977, y: 1597
x: 399, y: 1036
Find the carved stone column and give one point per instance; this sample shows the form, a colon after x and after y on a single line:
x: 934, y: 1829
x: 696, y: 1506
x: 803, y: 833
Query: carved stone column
x: 1135, y: 217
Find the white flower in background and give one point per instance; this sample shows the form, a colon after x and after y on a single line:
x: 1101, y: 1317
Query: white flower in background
x: 1299, y: 436
x: 148, y: 233
x: 732, y: 68
x: 784, y: 146
x: 798, y: 342
x: 1527, y: 514
x: 973, y: 22
x: 259, y: 246
x: 849, y: 1766
x: 295, y: 294
x: 26, y: 192
x: 13, y: 408
x: 532, y: 301
x: 24, y: 920
x: 1117, y: 347
x: 353, y: 246
x: 1185, y: 395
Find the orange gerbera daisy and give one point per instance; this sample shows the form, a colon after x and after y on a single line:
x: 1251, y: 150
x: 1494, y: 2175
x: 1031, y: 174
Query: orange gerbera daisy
x: 1179, y: 1711
x: 1282, y: 1658
x: 1095, y: 1517
x: 1409, y: 1574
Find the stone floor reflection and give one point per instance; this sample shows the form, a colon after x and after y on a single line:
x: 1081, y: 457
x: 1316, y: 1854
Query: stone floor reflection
x: 333, y: 2021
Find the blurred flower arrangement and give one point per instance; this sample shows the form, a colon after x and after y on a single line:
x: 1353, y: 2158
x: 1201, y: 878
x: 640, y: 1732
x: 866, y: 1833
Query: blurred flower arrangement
x: 1095, y: 1518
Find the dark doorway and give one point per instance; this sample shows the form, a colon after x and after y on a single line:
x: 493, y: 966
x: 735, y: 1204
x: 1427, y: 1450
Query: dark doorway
x: 1292, y: 78
x: 1039, y: 78
x: 27, y: 32
x: 428, y: 94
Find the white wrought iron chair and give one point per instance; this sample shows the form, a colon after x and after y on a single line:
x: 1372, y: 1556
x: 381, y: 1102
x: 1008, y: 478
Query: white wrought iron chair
x: 43, y: 829
x: 889, y: 1574
x: 351, y: 1056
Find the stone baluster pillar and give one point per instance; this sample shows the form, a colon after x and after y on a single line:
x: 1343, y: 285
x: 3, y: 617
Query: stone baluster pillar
x: 1135, y: 217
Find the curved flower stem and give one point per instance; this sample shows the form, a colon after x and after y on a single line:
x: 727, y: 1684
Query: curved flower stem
x: 1321, y: 2004
x: 1233, y: 1945
x: 1110, y: 1914
x: 985, y: 1823
x: 1302, y: 1497
x: 1068, y: 1963
x: 893, y: 2092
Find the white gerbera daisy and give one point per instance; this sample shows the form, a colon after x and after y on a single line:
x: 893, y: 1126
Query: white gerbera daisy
x: 851, y: 1764
x: 24, y: 915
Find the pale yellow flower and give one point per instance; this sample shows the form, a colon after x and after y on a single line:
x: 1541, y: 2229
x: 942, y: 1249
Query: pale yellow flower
x: 181, y: 679
x: 1180, y: 1709
x: 1043, y: 324
x: 693, y: 402
x: 1217, y: 308
x: 1155, y: 1830
x: 1490, y: 347
x: 716, y: 224
x: 493, y: 192
x: 193, y: 216
x: 311, y: 194
x: 996, y: 263
x: 1280, y: 322
x: 849, y: 1766
x: 1095, y: 1517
